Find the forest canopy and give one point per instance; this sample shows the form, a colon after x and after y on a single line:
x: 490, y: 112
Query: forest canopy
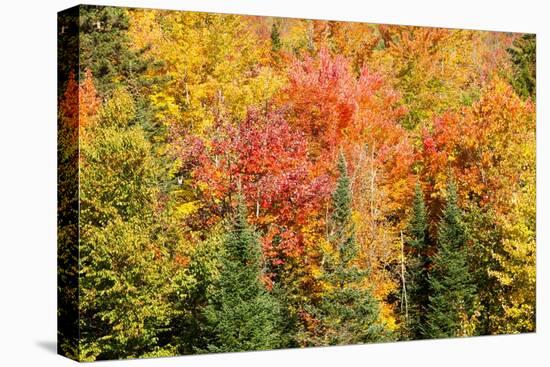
x: 251, y: 183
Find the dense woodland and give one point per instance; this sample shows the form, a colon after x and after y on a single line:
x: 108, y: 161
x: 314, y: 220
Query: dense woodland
x: 252, y: 183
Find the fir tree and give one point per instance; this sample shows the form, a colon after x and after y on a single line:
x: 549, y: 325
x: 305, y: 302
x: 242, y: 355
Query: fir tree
x: 450, y: 280
x: 417, y: 246
x: 348, y: 311
x: 241, y: 315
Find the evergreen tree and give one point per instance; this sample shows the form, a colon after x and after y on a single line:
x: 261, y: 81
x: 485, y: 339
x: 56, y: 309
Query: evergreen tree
x: 523, y: 54
x: 347, y: 311
x: 241, y: 315
x: 343, y: 228
x: 67, y: 47
x: 275, y: 37
x: 105, y: 49
x: 188, y: 329
x: 450, y: 280
x: 417, y: 282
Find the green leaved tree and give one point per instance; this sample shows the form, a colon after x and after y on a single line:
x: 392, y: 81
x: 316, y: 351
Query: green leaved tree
x: 241, y: 314
x: 450, y: 281
x: 523, y: 54
x: 105, y: 50
x: 347, y: 311
x: 124, y: 260
x: 417, y: 273
x: 275, y: 37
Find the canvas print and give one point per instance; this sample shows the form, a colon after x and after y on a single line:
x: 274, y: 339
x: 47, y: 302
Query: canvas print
x: 238, y: 183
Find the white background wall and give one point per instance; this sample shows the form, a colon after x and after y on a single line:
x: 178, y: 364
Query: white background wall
x: 28, y: 182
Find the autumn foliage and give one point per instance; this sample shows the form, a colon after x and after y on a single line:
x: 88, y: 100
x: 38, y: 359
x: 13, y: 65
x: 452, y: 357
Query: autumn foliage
x: 334, y: 182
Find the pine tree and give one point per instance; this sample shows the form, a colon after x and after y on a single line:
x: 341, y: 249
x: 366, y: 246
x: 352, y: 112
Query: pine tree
x: 241, y: 315
x: 450, y: 280
x: 417, y: 262
x: 348, y: 312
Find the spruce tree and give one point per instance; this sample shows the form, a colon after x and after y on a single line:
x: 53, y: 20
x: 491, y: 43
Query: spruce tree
x: 347, y: 311
x: 417, y: 262
x: 105, y: 49
x: 241, y: 315
x: 450, y: 280
x: 523, y: 55
x: 275, y: 37
x: 343, y: 228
